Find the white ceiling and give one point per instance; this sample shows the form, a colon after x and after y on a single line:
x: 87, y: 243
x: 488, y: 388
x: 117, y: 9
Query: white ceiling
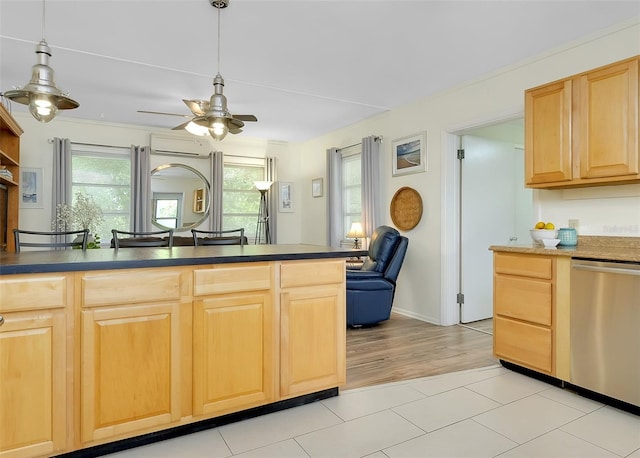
x: 303, y: 67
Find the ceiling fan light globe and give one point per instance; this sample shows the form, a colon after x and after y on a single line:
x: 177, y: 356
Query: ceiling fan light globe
x: 196, y: 129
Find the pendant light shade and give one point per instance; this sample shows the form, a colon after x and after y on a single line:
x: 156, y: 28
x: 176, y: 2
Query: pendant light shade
x: 41, y: 94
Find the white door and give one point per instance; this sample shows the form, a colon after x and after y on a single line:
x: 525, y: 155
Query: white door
x: 493, y: 198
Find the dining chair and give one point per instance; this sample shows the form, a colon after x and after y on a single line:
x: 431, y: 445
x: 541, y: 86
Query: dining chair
x: 56, y: 239
x: 229, y: 237
x: 142, y: 239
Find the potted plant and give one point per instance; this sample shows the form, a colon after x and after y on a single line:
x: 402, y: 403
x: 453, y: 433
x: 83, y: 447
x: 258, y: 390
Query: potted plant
x: 83, y: 214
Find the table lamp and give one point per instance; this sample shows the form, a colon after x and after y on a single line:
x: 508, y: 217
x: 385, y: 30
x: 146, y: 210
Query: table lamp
x: 356, y: 233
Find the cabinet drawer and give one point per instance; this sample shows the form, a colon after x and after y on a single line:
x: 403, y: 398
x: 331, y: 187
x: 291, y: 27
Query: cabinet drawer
x: 526, y: 266
x: 130, y: 287
x: 31, y: 292
x: 523, y: 343
x: 231, y: 279
x: 294, y: 274
x: 522, y: 298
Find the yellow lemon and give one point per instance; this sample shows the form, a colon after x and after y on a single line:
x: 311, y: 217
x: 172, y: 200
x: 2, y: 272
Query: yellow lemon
x: 549, y: 226
x: 540, y: 225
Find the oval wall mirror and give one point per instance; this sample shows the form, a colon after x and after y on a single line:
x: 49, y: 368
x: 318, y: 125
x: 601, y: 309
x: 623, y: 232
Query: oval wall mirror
x: 179, y: 197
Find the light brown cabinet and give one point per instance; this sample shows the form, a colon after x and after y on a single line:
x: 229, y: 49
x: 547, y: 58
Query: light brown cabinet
x: 583, y: 130
x: 33, y: 365
x: 10, y: 133
x: 131, y: 352
x: 233, y: 339
x: 531, y: 312
x: 92, y: 357
x: 313, y: 326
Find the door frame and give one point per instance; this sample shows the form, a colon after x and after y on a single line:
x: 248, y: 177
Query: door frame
x: 450, y: 212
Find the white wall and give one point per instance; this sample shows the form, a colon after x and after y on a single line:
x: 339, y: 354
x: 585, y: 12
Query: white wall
x: 426, y: 279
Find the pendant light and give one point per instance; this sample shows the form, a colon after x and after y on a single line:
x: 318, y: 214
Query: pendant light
x: 41, y: 94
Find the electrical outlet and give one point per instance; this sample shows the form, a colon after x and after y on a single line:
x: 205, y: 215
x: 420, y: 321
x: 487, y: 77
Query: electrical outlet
x: 574, y: 223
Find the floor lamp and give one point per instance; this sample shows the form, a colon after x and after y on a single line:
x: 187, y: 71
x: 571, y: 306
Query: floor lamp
x: 263, y: 235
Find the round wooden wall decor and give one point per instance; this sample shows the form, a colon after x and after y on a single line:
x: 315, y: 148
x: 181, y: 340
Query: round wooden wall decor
x: 406, y: 208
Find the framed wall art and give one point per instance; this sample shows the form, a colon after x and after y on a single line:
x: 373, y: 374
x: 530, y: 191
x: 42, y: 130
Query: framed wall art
x: 285, y: 197
x: 316, y: 187
x: 409, y: 154
x: 31, y: 187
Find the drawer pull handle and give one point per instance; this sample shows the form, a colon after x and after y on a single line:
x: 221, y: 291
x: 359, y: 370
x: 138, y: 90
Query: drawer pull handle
x: 1, y: 320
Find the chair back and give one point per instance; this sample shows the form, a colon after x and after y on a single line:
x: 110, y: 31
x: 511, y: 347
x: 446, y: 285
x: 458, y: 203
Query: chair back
x: 386, y: 252
x: 142, y: 239
x: 51, y: 239
x: 229, y: 237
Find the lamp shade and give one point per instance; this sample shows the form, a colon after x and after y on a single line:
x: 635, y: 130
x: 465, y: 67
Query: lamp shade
x: 356, y: 231
x: 263, y: 185
x: 41, y: 94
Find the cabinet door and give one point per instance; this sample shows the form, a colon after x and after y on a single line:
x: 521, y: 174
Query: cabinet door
x: 32, y: 383
x: 233, y: 352
x: 313, y: 333
x: 130, y: 369
x: 548, y: 133
x: 608, y: 121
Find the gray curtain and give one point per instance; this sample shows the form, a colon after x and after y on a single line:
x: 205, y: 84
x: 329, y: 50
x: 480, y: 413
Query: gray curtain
x: 272, y: 197
x: 334, y: 198
x: 140, y: 188
x: 216, y: 172
x: 370, y: 183
x: 61, y: 180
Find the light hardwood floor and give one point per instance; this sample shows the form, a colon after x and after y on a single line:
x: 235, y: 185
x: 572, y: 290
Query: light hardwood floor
x: 403, y: 348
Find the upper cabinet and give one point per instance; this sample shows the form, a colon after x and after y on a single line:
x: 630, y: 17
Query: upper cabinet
x: 10, y: 133
x: 583, y: 130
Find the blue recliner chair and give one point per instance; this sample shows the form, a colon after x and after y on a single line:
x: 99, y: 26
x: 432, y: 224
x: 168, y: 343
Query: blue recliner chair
x: 371, y: 288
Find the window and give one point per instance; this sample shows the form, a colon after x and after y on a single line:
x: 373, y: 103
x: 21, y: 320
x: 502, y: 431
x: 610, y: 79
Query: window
x: 351, y: 186
x: 240, y: 198
x: 167, y: 209
x: 104, y: 173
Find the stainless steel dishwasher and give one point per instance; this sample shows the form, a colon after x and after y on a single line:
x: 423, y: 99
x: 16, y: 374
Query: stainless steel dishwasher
x: 605, y: 328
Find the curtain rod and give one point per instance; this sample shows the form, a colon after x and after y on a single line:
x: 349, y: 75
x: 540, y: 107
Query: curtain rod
x: 50, y: 140
x: 377, y: 138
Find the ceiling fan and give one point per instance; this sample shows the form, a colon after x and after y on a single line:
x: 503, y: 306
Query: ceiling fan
x: 212, y: 117
x: 199, y: 109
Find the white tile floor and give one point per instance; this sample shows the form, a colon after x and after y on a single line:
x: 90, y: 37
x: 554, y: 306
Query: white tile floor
x: 477, y: 413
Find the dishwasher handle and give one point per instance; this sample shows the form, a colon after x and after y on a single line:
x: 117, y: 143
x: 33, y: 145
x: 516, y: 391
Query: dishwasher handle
x: 598, y: 267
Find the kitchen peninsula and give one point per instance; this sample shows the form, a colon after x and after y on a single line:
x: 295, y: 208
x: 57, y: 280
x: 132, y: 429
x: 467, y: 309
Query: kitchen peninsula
x: 143, y: 344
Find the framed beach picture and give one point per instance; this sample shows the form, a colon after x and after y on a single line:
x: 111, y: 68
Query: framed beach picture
x: 409, y: 154
x: 31, y: 187
x: 285, y: 197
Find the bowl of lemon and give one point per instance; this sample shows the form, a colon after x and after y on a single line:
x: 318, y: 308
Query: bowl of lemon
x: 543, y: 231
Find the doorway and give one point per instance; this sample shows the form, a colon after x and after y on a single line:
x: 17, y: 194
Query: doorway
x: 492, y: 208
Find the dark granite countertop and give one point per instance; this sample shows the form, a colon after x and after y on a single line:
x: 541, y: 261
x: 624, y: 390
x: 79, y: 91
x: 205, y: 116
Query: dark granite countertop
x: 130, y: 258
x: 589, y: 247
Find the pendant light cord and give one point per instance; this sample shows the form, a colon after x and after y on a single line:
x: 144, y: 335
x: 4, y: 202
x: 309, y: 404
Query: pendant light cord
x: 218, y: 39
x: 43, y: 20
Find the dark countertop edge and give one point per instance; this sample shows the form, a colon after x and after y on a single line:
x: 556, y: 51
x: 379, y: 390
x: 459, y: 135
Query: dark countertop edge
x: 76, y: 266
x: 578, y: 252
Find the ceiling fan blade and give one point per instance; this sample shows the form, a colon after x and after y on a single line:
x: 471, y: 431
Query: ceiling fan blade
x: 197, y: 107
x: 181, y: 126
x: 235, y: 124
x: 245, y: 117
x: 234, y: 130
x: 163, y: 113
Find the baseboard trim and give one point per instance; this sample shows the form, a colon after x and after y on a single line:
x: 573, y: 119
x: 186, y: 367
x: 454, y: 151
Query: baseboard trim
x: 170, y: 433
